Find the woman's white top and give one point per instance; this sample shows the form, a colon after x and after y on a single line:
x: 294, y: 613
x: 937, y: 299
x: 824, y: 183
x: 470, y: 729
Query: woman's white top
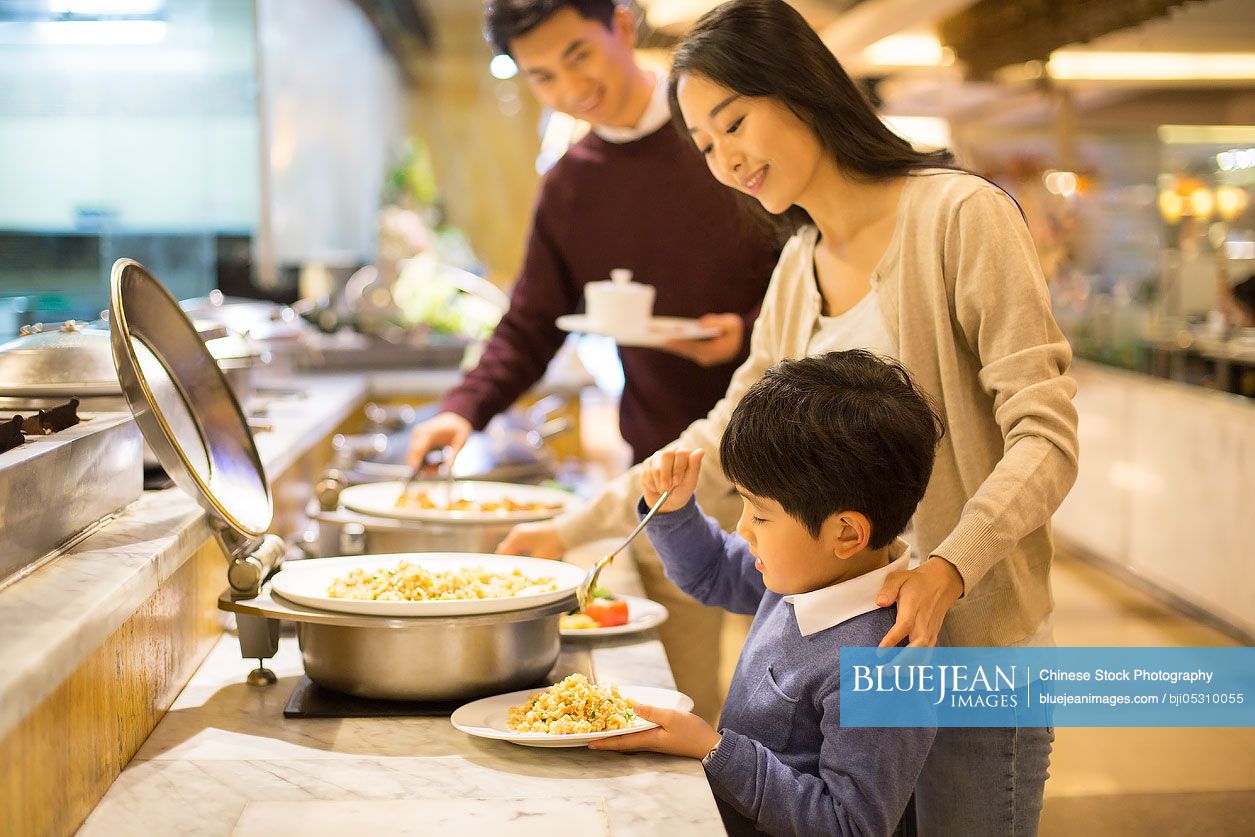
x: 862, y: 327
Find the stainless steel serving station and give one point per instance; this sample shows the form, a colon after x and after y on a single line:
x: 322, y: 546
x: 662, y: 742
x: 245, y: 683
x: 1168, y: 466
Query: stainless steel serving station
x: 225, y: 759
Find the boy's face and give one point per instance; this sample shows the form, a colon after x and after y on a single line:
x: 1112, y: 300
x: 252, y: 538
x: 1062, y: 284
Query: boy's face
x: 580, y: 67
x: 789, y: 557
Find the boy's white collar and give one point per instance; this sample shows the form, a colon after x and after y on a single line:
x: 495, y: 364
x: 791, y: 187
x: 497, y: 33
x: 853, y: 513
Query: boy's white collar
x: 829, y: 606
x: 657, y: 114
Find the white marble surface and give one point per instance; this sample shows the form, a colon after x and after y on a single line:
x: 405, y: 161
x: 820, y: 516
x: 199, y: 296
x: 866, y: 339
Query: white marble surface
x: 224, y: 760
x: 51, y: 620
x: 1167, y: 487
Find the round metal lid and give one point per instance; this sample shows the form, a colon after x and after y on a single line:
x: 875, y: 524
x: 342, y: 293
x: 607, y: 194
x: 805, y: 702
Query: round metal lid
x: 185, y: 408
x: 68, y: 360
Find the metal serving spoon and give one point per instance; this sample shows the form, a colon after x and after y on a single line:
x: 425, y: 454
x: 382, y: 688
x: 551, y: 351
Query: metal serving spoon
x: 445, y: 470
x: 584, y: 592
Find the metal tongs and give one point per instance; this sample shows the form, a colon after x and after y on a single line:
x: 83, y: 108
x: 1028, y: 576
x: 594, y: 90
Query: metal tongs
x: 584, y: 592
x: 442, y: 460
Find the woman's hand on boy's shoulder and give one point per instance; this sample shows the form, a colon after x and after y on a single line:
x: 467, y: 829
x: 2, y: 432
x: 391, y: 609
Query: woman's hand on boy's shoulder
x: 924, y: 596
x: 677, y: 734
x: 674, y: 469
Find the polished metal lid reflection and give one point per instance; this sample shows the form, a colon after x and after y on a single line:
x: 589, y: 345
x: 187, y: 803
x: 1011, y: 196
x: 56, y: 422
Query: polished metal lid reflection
x: 185, y: 407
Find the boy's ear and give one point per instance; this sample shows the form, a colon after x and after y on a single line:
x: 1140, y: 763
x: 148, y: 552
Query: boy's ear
x: 851, y: 533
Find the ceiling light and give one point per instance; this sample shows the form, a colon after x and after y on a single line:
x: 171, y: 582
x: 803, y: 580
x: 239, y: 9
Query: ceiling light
x: 1206, y: 134
x: 503, y: 67
x: 1231, y: 201
x: 1202, y: 203
x: 923, y: 132
x: 105, y: 8
x: 1078, y: 65
x: 83, y: 33
x: 917, y: 50
x: 663, y: 13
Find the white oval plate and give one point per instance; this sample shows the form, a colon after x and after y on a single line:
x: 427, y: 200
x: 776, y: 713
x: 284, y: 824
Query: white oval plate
x: 643, y: 614
x: 659, y: 331
x: 379, y: 499
x: 305, y: 582
x: 486, y: 718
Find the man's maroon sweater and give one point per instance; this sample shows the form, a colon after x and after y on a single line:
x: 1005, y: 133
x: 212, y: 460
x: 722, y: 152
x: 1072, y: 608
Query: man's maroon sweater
x: 650, y: 206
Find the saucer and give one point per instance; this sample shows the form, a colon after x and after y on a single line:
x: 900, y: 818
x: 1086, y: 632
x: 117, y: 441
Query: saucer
x: 659, y: 331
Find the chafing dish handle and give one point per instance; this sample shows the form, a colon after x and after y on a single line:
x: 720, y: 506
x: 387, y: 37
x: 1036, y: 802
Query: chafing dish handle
x: 247, y: 572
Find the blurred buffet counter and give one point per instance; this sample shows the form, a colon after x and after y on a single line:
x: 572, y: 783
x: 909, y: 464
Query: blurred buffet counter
x: 1164, y: 494
x: 100, y: 642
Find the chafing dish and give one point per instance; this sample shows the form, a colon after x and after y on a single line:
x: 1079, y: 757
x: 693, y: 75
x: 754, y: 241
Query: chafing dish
x: 510, y: 449
x: 48, y: 364
x: 62, y: 474
x: 204, y: 443
x: 427, y: 658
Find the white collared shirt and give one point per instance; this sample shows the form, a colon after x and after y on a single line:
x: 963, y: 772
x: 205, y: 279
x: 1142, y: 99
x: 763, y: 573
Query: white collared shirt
x: 829, y: 606
x: 657, y: 114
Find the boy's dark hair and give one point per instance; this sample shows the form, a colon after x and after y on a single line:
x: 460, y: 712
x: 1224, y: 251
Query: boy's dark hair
x: 845, y: 431
x: 505, y: 20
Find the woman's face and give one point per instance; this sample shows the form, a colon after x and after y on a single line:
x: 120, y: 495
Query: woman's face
x: 755, y: 145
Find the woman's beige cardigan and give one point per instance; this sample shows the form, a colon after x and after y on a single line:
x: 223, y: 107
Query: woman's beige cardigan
x: 963, y: 295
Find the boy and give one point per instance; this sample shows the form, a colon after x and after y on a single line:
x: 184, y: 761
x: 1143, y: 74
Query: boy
x: 830, y: 455
x: 631, y: 194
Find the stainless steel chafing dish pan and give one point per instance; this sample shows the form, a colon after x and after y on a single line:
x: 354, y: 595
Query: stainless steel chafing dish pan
x: 194, y: 424
x: 427, y: 658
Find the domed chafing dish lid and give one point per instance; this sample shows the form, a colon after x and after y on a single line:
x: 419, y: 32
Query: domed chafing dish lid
x: 68, y: 360
x: 185, y: 408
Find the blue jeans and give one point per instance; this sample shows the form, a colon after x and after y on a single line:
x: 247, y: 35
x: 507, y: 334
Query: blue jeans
x: 983, y: 782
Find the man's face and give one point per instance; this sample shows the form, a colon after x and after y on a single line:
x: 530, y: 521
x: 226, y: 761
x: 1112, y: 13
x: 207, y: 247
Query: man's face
x: 580, y: 67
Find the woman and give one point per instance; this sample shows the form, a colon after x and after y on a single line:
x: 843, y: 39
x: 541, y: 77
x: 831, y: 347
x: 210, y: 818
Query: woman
x: 894, y: 252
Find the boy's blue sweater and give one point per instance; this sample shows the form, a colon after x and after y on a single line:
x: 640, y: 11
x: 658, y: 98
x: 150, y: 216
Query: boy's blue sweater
x: 785, y: 765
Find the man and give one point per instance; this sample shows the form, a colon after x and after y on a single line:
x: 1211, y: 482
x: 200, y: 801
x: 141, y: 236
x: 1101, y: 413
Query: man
x: 631, y: 194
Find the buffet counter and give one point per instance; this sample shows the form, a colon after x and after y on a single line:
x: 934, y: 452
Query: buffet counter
x: 224, y: 760
x: 1165, y: 491
x: 97, y: 644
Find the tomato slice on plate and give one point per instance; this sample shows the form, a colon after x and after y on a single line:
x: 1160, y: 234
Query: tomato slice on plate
x: 608, y: 612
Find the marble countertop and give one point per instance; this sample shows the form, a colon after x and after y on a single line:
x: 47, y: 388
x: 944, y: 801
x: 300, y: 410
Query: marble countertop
x: 224, y: 760
x: 52, y: 619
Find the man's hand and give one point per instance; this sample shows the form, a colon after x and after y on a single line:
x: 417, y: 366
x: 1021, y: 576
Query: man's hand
x: 675, y: 469
x: 713, y: 350
x: 924, y: 596
x: 677, y: 734
x: 444, y: 429
x: 534, y: 540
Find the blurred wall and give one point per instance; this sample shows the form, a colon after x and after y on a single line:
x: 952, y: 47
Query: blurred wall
x: 483, y: 136
x: 332, y: 102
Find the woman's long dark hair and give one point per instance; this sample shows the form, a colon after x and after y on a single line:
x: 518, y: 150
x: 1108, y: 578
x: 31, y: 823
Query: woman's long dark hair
x: 764, y: 48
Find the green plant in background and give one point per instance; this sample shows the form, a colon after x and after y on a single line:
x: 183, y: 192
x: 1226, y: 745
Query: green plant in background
x: 424, y: 296
x: 412, y: 178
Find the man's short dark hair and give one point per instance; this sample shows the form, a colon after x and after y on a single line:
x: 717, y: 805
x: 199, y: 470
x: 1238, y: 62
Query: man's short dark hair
x: 506, y: 20
x: 845, y: 431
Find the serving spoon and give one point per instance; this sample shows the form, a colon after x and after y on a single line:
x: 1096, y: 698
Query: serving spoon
x: 584, y: 592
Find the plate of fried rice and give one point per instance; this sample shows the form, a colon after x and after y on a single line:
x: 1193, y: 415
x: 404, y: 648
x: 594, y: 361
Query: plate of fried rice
x: 569, y: 713
x: 426, y: 583
x: 472, y: 501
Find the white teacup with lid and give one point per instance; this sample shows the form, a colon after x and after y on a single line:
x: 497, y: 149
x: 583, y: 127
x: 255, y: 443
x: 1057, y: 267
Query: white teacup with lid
x: 619, y: 306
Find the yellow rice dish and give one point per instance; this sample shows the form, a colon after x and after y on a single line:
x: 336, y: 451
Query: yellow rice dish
x: 412, y: 583
x: 572, y: 707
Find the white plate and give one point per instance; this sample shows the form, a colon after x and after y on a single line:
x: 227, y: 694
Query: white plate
x: 659, y: 331
x: 380, y: 500
x: 306, y: 582
x: 486, y: 718
x: 643, y: 614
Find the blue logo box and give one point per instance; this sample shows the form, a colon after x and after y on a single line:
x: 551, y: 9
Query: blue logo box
x: 1044, y: 687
